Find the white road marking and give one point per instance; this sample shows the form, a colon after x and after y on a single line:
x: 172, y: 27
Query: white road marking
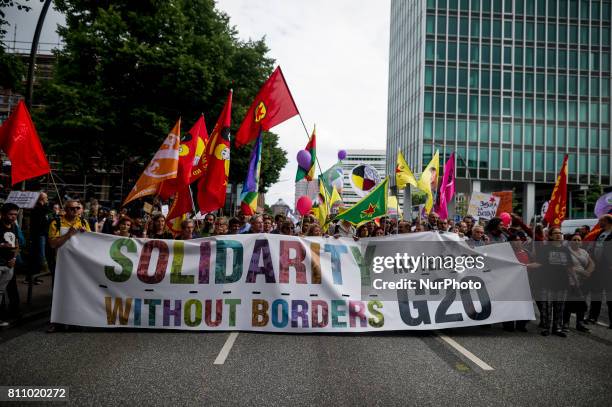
x: 601, y: 323
x: 475, y: 359
x: 225, y: 350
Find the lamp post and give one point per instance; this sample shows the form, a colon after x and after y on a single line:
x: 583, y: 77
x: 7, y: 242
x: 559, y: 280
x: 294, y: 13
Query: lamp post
x: 33, y: 50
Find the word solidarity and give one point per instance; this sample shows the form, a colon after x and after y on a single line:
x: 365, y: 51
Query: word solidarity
x: 270, y: 283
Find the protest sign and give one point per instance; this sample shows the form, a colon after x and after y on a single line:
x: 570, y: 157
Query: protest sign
x: 23, y: 199
x: 483, y: 206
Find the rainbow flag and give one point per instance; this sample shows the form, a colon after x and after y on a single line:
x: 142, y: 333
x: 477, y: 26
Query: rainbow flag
x: 249, y: 194
x: 311, y: 147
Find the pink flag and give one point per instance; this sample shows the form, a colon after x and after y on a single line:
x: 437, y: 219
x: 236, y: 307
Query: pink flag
x: 447, y: 187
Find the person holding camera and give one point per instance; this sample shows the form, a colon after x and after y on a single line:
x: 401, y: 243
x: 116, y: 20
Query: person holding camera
x: 65, y: 226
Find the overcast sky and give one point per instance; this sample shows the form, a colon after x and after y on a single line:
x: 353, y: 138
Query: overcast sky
x: 334, y: 54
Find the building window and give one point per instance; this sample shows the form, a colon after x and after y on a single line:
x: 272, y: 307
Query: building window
x: 427, y: 129
x: 517, y: 160
x: 572, y: 137
x: 539, y: 135
x: 505, y: 159
x: 539, y: 161
x: 431, y: 25
x: 494, y: 159
x: 428, y: 102
x: 440, y: 76
x: 495, y: 132
x: 528, y: 161
x: 461, y: 130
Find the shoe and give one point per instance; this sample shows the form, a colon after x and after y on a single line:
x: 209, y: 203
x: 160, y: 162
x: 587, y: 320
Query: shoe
x: 582, y: 328
x: 546, y: 333
x: 560, y: 334
x: 3, y: 324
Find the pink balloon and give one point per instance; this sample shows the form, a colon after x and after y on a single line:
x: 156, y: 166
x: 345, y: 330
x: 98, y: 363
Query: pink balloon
x: 505, y: 218
x: 303, y: 205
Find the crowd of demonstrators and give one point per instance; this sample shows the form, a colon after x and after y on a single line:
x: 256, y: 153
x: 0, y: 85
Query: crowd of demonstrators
x: 580, y: 273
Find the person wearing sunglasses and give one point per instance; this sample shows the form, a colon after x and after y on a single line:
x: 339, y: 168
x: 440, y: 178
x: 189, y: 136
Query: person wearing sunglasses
x: 61, y: 229
x: 67, y: 225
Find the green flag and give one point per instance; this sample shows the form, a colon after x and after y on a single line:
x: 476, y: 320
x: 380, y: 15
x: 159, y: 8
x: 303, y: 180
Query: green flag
x: 371, y: 206
x: 333, y: 177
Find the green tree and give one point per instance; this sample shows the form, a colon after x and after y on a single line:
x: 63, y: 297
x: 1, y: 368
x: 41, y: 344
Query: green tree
x: 129, y: 69
x: 591, y: 196
x: 12, y: 70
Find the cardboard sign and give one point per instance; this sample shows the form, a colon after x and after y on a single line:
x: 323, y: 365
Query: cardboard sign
x: 483, y: 206
x: 23, y: 199
x: 148, y: 208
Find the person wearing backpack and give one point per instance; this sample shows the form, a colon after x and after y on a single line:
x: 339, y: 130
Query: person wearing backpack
x: 62, y: 228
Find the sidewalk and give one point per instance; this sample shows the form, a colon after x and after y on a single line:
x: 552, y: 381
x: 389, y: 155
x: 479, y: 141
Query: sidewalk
x: 39, y: 306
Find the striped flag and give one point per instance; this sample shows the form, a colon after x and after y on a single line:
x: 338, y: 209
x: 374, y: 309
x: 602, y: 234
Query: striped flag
x: 249, y: 194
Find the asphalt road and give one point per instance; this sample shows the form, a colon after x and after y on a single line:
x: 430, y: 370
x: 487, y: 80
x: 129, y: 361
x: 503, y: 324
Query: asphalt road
x: 178, y: 368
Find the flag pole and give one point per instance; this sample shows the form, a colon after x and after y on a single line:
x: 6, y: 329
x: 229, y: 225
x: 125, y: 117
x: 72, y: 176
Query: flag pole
x: 56, y: 189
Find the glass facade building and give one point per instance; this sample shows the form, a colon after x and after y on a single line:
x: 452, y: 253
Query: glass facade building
x: 510, y: 85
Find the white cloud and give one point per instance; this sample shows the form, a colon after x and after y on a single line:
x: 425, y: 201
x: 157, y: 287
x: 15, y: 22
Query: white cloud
x: 334, y: 55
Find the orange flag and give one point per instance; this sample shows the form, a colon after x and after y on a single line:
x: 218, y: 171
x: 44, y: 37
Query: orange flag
x: 192, y: 143
x: 163, y: 166
x: 555, y: 214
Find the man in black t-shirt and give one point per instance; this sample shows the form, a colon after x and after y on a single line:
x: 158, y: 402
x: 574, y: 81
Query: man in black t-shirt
x: 9, y: 246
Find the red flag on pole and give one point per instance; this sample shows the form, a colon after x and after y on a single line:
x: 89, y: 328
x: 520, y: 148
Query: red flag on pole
x: 212, y: 186
x: 19, y: 140
x: 192, y: 143
x: 183, y: 204
x: 557, y: 206
x: 272, y: 105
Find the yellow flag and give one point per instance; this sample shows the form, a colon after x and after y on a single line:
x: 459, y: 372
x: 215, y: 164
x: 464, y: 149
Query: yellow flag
x: 163, y: 166
x: 428, y: 182
x: 335, y: 197
x: 323, y: 208
x: 403, y: 174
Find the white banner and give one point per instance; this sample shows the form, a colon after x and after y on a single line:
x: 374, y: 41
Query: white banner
x: 266, y: 282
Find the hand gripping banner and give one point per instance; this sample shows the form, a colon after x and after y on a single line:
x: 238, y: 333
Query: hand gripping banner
x: 276, y: 283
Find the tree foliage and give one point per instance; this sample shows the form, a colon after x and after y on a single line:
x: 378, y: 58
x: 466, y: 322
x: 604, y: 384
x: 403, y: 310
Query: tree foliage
x: 12, y: 70
x: 129, y: 69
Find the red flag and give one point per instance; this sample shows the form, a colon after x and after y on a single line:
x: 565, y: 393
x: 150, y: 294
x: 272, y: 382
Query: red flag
x: 212, y: 186
x: 272, y: 105
x: 555, y: 214
x: 183, y: 204
x: 199, y: 159
x: 19, y: 140
x: 188, y: 149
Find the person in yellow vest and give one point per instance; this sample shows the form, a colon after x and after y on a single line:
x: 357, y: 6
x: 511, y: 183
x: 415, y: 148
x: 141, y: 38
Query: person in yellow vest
x: 65, y: 226
x: 61, y: 229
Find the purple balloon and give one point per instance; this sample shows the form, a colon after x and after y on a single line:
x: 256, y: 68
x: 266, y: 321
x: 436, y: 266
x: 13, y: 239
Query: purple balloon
x: 304, y: 158
x: 341, y: 154
x: 603, y: 205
